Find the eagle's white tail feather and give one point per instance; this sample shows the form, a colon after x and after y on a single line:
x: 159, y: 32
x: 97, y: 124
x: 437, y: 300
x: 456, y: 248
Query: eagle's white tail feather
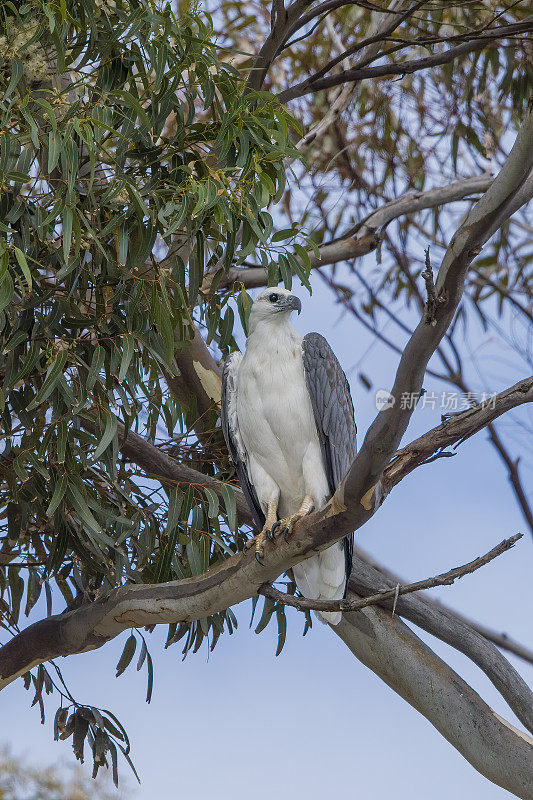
x: 307, y: 578
x: 322, y: 577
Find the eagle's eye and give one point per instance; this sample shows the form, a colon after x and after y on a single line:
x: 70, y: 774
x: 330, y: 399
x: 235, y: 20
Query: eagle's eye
x: 273, y: 298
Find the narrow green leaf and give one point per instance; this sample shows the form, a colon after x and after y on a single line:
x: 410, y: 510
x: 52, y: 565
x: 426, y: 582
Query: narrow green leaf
x: 193, y: 557
x: 34, y: 131
x: 127, y: 654
x: 286, y: 271
x: 17, y: 71
x: 97, y: 363
x: 55, y: 370
x: 226, y: 328
x: 122, y: 244
x: 150, y: 685
x: 61, y: 440
x: 142, y: 655
x: 66, y: 221
x: 268, y: 609
x: 212, y: 499
x: 54, y: 149
x: 228, y: 495
x: 108, y: 435
x: 59, y: 492
x: 23, y: 264
x: 282, y: 629
x: 6, y: 291
x: 134, y: 104
x: 80, y: 505
x: 128, y: 347
x: 286, y: 233
x: 18, y: 177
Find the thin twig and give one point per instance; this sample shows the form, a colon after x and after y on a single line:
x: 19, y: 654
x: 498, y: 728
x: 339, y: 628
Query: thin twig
x: 444, y: 579
x: 433, y: 300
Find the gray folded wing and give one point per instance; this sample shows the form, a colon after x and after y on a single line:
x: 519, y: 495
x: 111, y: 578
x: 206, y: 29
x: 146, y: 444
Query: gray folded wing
x: 334, y: 414
x: 230, y: 429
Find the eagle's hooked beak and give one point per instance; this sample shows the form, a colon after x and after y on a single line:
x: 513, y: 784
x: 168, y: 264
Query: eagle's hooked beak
x: 292, y: 303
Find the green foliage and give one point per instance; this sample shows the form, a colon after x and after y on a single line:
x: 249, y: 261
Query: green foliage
x: 131, y: 159
x: 132, y: 140
x: 135, y: 167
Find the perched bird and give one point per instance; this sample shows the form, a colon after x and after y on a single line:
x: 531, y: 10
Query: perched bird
x: 288, y: 421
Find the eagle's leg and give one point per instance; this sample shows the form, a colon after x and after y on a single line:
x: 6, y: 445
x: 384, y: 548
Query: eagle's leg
x: 270, y: 521
x: 285, y: 525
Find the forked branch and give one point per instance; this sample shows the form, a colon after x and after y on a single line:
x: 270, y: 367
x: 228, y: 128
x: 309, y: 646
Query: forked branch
x: 347, y: 604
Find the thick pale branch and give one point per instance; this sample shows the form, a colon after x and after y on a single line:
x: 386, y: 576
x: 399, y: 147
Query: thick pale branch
x: 367, y: 571
x: 433, y: 618
x: 386, y: 431
x: 236, y: 579
x: 449, y: 627
x: 393, y: 652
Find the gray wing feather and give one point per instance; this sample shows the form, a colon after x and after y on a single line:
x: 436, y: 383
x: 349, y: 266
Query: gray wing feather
x: 334, y: 415
x: 230, y: 429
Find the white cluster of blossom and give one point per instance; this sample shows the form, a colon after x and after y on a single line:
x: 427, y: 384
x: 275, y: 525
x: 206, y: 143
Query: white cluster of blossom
x: 109, y: 5
x: 121, y: 197
x: 32, y: 55
x: 60, y: 101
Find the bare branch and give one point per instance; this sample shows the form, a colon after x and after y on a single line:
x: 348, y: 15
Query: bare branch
x: 170, y: 472
x: 456, y: 429
x: 430, y: 616
x: 406, y: 67
x: 368, y: 575
x: 347, y: 604
x: 386, y: 431
x: 369, y: 47
x: 514, y: 475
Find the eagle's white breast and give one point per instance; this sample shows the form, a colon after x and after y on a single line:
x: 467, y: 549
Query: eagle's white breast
x: 278, y: 433
x: 276, y: 420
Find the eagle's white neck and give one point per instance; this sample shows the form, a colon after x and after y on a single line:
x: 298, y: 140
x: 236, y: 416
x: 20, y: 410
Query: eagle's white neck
x: 271, y: 332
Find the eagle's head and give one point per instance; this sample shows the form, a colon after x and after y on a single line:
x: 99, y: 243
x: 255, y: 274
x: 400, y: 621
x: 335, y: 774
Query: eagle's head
x: 273, y: 304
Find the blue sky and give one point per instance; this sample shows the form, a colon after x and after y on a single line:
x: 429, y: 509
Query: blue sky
x: 314, y: 721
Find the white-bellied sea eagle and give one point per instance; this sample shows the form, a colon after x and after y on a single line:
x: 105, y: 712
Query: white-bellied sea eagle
x: 288, y: 421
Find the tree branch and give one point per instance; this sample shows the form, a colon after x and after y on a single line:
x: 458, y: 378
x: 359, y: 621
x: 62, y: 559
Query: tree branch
x: 366, y: 235
x: 514, y: 475
x: 451, y: 628
x: 367, y: 576
x: 359, y: 488
x: 407, y: 67
x: 160, y: 466
x: 456, y: 429
x: 201, y: 377
x: 369, y: 47
x: 393, y: 652
x: 347, y: 604
x: 236, y: 579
